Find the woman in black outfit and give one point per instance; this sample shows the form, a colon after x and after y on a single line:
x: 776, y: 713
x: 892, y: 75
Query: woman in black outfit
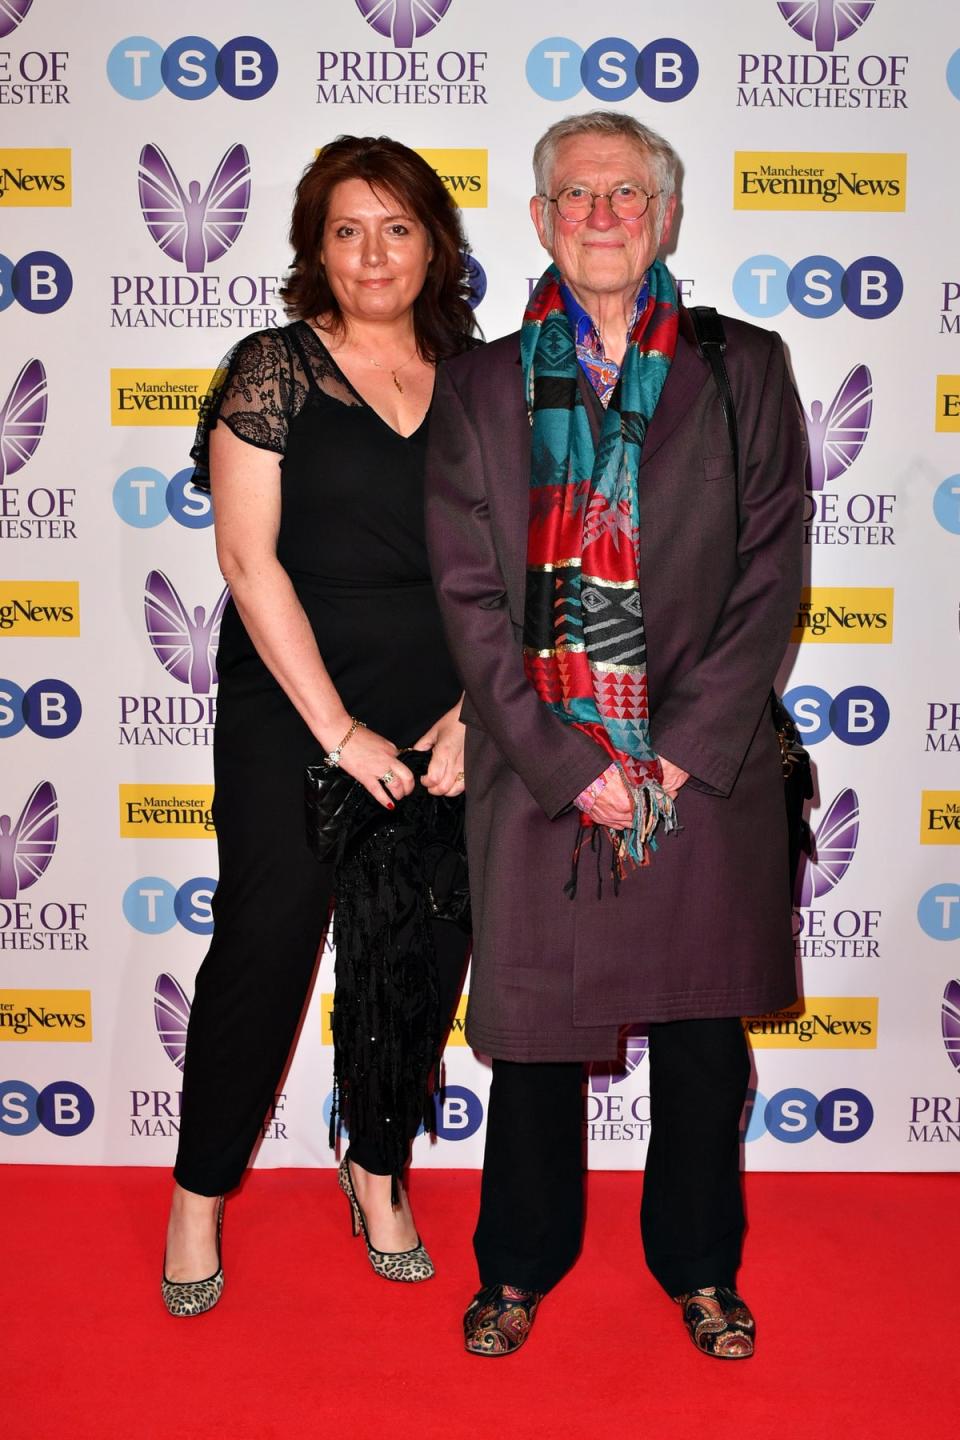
x: 313, y: 446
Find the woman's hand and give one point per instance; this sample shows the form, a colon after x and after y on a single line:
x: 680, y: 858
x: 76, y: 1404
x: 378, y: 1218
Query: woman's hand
x: 445, y: 773
x: 366, y: 756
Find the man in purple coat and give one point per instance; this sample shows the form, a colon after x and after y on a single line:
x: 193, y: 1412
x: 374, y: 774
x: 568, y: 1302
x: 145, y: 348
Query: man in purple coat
x: 618, y: 595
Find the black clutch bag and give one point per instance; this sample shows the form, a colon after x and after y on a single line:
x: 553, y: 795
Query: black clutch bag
x: 797, y: 782
x: 341, y: 816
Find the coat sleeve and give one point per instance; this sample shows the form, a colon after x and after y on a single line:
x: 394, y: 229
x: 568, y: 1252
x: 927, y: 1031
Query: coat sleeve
x: 706, y: 723
x: 554, y: 760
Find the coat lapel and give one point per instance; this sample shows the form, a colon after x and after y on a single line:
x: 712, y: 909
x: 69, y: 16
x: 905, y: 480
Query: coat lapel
x: 685, y: 379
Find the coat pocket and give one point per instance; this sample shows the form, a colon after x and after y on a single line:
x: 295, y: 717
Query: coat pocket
x: 718, y: 467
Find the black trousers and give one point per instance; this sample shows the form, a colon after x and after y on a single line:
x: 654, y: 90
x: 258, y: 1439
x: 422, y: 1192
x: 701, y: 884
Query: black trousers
x: 250, y: 993
x: 531, y: 1206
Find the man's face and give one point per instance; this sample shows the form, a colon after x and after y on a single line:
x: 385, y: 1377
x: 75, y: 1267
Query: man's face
x: 602, y: 254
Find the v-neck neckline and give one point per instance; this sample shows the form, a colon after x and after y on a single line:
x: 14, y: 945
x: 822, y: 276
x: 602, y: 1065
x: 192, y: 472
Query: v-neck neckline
x: 361, y: 399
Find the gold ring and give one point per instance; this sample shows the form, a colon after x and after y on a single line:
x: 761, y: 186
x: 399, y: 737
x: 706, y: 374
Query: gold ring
x: 387, y: 779
x: 460, y: 775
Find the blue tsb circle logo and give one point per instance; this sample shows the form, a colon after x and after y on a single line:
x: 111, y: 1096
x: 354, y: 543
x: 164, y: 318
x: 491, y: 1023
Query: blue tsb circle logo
x: 153, y: 906
x: 858, y: 715
x: 612, y: 69
x: 192, y: 68
x: 818, y: 286
x: 41, y: 282
x: 64, y: 1108
x: 143, y: 498
x: 793, y: 1116
x: 939, y: 911
x: 50, y: 708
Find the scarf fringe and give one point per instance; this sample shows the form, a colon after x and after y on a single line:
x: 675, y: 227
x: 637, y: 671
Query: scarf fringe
x: 652, y: 808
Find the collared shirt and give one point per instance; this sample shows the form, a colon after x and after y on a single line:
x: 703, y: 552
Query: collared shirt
x: 602, y: 372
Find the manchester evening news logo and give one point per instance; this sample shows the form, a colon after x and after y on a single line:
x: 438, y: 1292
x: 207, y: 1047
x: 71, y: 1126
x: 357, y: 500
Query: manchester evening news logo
x: 817, y: 1023
x: 822, y: 182
x: 166, y: 812
x: 158, y: 397
x: 820, y: 75
x: 948, y: 404
x: 844, y: 615
x: 40, y: 608
x: 45, y: 1015
x: 940, y: 817
x: 35, y: 178
x: 463, y: 172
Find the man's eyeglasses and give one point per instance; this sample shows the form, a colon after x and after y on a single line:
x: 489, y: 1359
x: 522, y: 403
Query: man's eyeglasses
x: 576, y: 202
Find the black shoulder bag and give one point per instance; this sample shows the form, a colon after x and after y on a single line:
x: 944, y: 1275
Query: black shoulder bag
x: 797, y: 776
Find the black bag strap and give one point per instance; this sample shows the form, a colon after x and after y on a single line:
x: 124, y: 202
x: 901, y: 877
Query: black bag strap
x: 711, y: 341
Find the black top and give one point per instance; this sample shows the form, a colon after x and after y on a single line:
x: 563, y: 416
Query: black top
x: 351, y: 532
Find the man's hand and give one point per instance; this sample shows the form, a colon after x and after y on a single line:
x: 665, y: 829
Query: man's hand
x: 613, y: 806
x: 673, y: 777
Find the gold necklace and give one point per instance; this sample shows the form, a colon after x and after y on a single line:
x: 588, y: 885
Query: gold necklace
x: 393, y: 370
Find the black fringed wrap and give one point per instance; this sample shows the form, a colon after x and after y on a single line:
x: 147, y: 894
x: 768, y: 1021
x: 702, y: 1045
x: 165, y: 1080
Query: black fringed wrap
x: 396, y: 871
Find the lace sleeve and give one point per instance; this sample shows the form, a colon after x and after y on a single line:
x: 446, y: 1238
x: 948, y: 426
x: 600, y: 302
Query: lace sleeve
x: 255, y: 393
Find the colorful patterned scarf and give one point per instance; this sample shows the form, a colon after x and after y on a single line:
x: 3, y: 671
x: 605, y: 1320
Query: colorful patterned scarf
x: 584, y: 643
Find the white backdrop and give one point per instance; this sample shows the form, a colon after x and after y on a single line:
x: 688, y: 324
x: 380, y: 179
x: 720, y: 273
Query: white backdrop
x: 816, y: 140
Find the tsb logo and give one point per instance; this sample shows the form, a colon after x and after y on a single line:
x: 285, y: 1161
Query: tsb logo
x: 946, y: 504
x: 41, y: 282
x: 818, y: 286
x: 612, y: 69
x: 143, y: 498
x: 459, y: 1115
x: 858, y: 715
x: 192, y: 68
x: 793, y: 1116
x: 50, y: 708
x: 939, y: 911
x: 152, y: 905
x: 63, y: 1108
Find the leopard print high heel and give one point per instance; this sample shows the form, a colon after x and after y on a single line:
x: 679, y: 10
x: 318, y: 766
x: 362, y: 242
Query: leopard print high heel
x: 410, y: 1266
x: 194, y: 1297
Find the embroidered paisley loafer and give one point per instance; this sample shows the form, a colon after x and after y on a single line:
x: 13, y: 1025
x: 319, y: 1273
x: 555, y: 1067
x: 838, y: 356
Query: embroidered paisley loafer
x: 498, y: 1319
x: 718, y: 1322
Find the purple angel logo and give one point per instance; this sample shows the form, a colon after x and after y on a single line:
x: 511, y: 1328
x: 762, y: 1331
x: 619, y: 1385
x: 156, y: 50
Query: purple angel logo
x: 838, y: 431
x: 403, y: 21
x: 192, y: 228
x: 187, y: 649
x: 11, y: 13
x: 171, y: 1011
x: 26, y: 848
x: 22, y: 418
x: 603, y: 1074
x: 825, y: 22
x: 834, y: 844
x: 950, y: 1020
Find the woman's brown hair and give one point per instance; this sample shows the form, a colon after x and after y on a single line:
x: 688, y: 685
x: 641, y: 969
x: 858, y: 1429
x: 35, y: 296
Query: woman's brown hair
x: 442, y: 317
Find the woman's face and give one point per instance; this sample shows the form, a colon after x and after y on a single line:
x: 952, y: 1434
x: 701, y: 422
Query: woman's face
x: 374, y: 252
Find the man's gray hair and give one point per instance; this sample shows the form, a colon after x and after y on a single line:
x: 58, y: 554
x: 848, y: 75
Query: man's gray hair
x: 663, y: 157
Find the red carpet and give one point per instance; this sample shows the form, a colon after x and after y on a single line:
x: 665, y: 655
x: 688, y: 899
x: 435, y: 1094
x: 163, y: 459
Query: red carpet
x: 852, y: 1278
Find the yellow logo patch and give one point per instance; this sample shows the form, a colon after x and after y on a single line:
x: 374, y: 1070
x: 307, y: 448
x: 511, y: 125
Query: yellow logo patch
x: 35, y: 177
x: 166, y: 812
x: 64, y: 1015
x: 786, y: 180
x: 948, y: 404
x: 464, y: 172
x: 940, y: 817
x: 835, y: 1022
x: 158, y: 397
x: 844, y: 615
x: 38, y: 608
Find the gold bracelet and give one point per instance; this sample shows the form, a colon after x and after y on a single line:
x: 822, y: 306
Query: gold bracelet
x: 333, y: 756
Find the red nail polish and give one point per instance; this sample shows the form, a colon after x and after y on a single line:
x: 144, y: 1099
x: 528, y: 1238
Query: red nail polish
x: 390, y: 805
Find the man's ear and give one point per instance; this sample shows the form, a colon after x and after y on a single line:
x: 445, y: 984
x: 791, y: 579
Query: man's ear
x: 538, y: 214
